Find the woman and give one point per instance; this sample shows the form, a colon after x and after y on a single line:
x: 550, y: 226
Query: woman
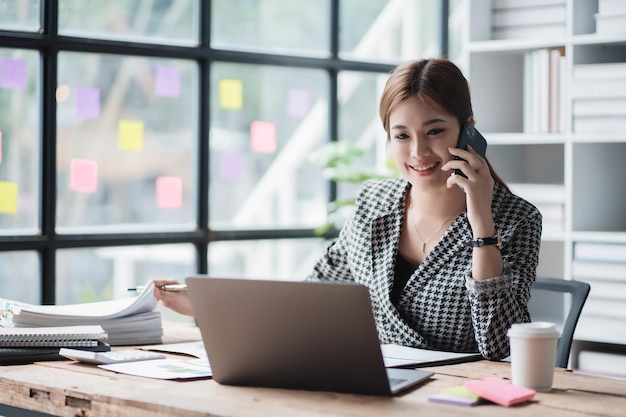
x: 409, y: 240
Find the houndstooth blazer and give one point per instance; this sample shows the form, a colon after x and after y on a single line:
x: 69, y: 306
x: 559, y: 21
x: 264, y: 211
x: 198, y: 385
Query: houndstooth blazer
x: 441, y: 307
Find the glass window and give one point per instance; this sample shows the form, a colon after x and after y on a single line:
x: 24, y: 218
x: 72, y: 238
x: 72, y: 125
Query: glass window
x: 163, y: 21
x: 20, y: 15
x: 388, y: 30
x: 273, y: 26
x: 264, y: 123
x: 126, y: 143
x: 360, y: 127
x: 277, y: 259
x: 19, y: 141
x: 19, y: 276
x: 99, y: 274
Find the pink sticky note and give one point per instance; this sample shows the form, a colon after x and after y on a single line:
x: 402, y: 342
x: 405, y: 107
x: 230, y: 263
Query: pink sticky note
x: 167, y: 82
x: 500, y: 391
x: 232, y: 165
x: 298, y: 102
x: 169, y: 192
x: 84, y: 175
x: 12, y: 72
x: 88, y: 103
x: 263, y: 137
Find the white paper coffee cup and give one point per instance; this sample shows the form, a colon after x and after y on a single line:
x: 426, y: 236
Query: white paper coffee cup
x: 533, y: 354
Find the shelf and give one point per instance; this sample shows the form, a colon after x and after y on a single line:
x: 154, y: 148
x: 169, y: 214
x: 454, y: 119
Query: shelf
x: 574, y: 177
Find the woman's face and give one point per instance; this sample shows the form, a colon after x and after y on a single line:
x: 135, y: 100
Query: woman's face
x: 420, y: 135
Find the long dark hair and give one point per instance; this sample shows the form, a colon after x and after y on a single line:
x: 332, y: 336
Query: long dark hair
x: 432, y: 80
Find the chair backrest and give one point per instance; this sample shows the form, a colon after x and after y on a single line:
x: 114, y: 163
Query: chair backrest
x: 559, y: 301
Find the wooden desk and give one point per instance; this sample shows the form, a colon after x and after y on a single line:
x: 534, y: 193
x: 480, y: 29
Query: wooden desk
x: 78, y: 390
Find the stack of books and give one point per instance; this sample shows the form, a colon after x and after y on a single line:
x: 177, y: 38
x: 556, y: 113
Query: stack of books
x: 611, y: 17
x: 528, y: 19
x: 603, y: 266
x: 544, y: 91
x: 599, y: 98
x: 131, y: 321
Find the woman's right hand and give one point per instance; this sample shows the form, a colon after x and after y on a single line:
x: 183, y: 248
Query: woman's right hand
x: 177, y: 301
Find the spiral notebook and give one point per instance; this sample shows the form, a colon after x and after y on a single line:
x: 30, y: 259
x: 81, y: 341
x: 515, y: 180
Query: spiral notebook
x: 66, y: 336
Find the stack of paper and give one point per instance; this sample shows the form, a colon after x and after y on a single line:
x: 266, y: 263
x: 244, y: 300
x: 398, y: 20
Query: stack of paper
x: 599, y: 96
x: 131, y: 321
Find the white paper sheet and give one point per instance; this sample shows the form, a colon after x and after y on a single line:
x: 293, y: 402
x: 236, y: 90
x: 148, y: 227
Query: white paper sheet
x: 164, y: 368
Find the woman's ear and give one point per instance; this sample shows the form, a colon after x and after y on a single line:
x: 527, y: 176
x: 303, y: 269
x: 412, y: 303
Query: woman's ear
x: 471, y: 120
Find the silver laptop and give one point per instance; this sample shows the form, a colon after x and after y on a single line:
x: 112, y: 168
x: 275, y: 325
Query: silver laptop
x: 299, y: 335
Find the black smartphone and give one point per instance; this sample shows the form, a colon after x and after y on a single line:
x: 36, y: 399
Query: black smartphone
x: 470, y: 136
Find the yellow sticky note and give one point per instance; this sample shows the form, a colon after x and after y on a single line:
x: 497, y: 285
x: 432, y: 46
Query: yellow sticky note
x: 231, y: 93
x: 130, y: 135
x: 8, y: 197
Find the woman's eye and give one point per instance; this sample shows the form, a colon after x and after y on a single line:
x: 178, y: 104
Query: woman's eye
x: 435, y: 131
x: 401, y: 136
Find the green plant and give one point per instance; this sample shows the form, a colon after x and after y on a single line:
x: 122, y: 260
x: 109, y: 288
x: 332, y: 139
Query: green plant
x: 343, y: 165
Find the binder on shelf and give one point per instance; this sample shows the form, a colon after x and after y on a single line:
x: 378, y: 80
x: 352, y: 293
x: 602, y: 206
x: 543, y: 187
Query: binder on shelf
x: 599, y: 71
x: 67, y: 336
x: 549, y: 31
x: 615, y: 252
x: 610, y: 24
x: 599, y: 124
x: 131, y: 321
x: 513, y: 4
x: 599, y: 88
x: 599, y: 107
x: 608, y: 7
x: 586, y: 270
x: 529, y: 16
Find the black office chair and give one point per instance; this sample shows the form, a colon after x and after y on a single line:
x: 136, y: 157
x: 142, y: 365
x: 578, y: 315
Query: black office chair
x: 559, y: 301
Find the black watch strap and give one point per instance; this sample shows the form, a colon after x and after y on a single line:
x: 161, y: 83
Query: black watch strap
x: 486, y: 241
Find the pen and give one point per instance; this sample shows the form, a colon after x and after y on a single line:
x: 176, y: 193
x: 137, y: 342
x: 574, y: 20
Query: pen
x: 166, y: 288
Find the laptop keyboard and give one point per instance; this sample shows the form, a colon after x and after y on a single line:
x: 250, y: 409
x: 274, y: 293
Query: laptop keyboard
x: 396, y: 381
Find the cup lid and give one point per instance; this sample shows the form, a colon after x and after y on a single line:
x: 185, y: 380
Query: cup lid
x: 533, y: 329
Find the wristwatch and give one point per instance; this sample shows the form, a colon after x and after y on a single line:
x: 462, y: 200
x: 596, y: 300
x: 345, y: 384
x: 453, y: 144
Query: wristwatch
x: 486, y: 241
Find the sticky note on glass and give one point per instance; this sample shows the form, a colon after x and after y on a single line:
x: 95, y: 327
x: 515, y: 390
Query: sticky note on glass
x: 88, y: 103
x: 12, y: 73
x: 8, y: 197
x: 130, y: 134
x: 298, y: 102
x: 263, y: 137
x: 167, y: 83
x: 84, y: 175
x: 231, y: 94
x: 169, y: 192
x: 232, y: 165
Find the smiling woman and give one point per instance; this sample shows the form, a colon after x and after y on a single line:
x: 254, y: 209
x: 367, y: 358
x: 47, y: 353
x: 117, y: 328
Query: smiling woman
x: 410, y: 239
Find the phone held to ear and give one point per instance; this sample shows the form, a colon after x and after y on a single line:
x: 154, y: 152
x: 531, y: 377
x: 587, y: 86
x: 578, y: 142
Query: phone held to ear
x: 470, y: 136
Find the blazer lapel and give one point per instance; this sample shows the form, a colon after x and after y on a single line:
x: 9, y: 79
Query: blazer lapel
x: 386, y: 227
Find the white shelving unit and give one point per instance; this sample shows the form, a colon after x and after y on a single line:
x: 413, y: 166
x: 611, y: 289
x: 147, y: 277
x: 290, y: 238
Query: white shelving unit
x: 582, y: 173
